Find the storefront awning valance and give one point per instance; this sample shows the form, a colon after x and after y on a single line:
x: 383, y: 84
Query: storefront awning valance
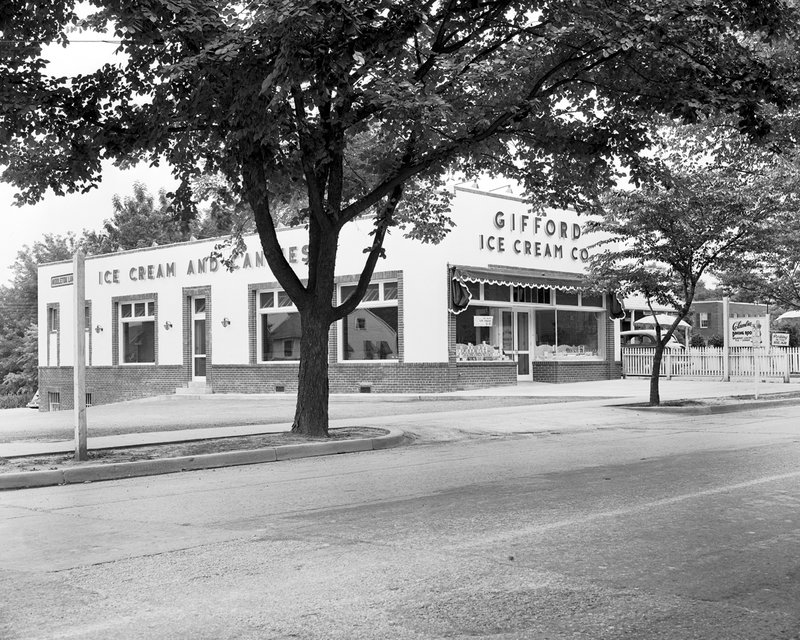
x: 522, y: 277
x: 559, y: 280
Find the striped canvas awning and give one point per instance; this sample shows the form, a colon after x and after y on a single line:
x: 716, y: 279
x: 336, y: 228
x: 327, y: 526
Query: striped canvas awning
x: 522, y: 277
x: 561, y: 280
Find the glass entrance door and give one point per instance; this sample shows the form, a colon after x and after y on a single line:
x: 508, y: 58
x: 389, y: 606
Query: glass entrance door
x: 517, y: 340
x: 198, y: 339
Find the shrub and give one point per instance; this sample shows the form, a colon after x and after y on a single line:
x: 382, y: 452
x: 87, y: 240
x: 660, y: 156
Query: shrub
x: 716, y: 341
x: 14, y: 400
x: 698, y: 342
x: 792, y: 329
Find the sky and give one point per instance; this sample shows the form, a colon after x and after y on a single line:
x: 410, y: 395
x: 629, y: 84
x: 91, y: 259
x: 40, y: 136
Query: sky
x: 59, y: 215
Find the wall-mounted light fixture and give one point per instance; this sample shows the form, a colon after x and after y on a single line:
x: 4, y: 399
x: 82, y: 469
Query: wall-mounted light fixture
x: 98, y: 329
x: 225, y: 322
x: 167, y: 325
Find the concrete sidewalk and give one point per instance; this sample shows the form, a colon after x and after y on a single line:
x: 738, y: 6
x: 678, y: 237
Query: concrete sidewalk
x: 597, y: 397
x: 638, y: 389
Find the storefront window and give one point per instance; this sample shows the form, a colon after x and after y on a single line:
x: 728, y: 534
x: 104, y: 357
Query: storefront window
x: 496, y: 292
x: 138, y: 334
x: 487, y: 330
x: 524, y: 329
x: 591, y: 300
x: 565, y: 334
x: 370, y: 334
x: 545, y: 324
x: 280, y: 336
x: 284, y: 300
x: 567, y: 298
x: 479, y: 333
x: 372, y: 293
x: 577, y: 333
x: 279, y: 327
x: 371, y: 331
x: 538, y: 295
x: 390, y: 291
x: 474, y: 289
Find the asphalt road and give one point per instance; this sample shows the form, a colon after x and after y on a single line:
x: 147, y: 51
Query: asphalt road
x: 684, y: 528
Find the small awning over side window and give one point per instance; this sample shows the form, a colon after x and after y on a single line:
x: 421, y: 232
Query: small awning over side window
x: 561, y: 280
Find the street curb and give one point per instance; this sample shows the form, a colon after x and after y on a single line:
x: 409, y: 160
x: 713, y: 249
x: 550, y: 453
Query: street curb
x: 120, y: 470
x: 748, y: 405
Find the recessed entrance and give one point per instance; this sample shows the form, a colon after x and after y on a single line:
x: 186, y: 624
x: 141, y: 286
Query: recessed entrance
x: 517, y: 340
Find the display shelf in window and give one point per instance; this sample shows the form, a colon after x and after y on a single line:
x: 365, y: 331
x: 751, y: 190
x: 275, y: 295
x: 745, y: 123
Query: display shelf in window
x: 479, y: 353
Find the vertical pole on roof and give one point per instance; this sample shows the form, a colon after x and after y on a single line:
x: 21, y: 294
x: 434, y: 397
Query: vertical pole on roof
x: 79, y: 359
x: 726, y: 347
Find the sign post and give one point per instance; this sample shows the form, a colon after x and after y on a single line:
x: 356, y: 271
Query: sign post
x: 756, y: 338
x: 79, y: 360
x: 726, y: 343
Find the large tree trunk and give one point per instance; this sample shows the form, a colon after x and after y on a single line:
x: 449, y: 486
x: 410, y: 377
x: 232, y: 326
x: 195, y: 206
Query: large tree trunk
x: 311, y: 413
x: 655, y: 398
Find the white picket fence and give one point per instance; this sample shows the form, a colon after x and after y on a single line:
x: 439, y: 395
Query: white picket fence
x: 775, y: 362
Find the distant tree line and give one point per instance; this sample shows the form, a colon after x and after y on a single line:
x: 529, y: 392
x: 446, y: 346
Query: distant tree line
x: 138, y: 220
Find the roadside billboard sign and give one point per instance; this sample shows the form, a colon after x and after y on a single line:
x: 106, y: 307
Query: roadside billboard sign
x: 748, y: 332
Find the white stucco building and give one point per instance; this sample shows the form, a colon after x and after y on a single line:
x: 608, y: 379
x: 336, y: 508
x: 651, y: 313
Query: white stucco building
x: 166, y: 317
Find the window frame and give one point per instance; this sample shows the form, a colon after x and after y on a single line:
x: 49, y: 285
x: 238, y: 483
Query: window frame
x: 381, y: 302
x: 53, y: 319
x: 279, y: 299
x: 122, y: 320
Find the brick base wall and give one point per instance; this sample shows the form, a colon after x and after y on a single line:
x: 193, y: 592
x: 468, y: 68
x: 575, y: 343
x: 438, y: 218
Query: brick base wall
x: 478, y: 375
x: 426, y: 377
x: 110, y: 384
x: 559, y: 372
x: 116, y: 384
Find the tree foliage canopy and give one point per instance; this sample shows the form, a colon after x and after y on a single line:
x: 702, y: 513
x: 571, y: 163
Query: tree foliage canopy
x: 709, y: 210
x: 662, y: 239
x: 368, y: 104
x: 774, y: 275
x: 18, y: 305
x: 137, y: 221
x: 542, y: 91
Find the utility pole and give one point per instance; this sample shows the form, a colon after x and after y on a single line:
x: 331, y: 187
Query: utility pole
x: 726, y: 344
x: 79, y: 360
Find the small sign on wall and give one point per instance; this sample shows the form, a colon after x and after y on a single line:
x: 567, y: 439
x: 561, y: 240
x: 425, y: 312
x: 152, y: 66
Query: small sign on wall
x: 62, y: 280
x: 780, y: 339
x: 483, y: 321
